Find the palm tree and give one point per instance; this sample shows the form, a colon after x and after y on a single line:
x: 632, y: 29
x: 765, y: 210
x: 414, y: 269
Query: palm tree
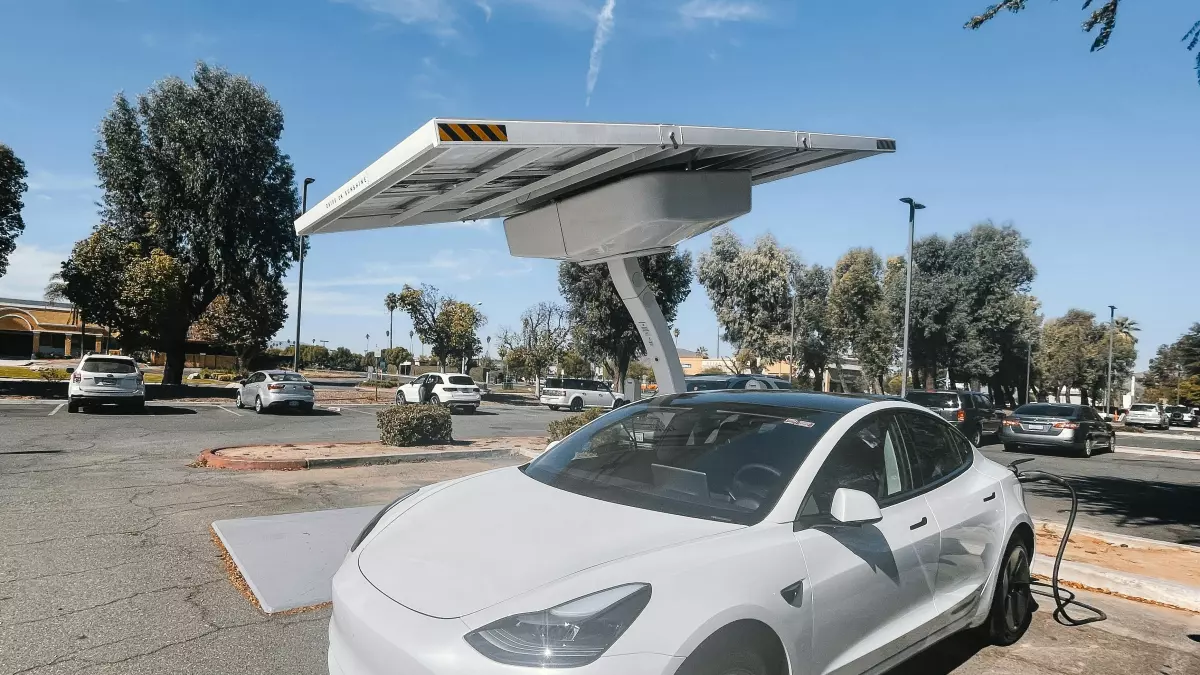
x: 1126, y: 326
x: 392, y: 303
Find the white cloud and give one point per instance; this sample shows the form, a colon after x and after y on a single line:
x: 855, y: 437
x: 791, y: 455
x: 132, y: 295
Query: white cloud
x: 29, y: 270
x: 604, y: 27
x: 48, y: 181
x: 443, y: 265
x: 718, y: 11
x: 487, y: 9
x: 441, y: 17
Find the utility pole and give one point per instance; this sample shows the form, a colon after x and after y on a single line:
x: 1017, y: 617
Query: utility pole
x: 912, y: 226
x: 1112, y: 315
x: 792, y: 345
x: 1028, y: 367
x: 300, y: 283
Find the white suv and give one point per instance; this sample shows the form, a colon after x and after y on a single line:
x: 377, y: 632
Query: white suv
x: 459, y: 392
x: 106, y: 379
x: 579, y: 394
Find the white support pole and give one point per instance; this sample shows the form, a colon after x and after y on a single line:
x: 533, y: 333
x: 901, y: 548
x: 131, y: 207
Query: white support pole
x: 648, y: 317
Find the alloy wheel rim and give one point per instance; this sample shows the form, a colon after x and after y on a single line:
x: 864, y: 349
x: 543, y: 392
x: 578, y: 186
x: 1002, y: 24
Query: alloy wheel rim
x: 1017, y: 597
x: 1087, y: 447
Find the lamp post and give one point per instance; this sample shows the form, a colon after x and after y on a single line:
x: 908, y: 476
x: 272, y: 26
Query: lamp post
x: 792, y: 345
x: 912, y: 226
x: 1112, y: 315
x: 1028, y: 368
x: 300, y: 282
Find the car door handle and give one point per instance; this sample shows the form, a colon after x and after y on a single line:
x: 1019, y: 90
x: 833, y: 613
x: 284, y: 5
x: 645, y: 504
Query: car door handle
x: 919, y: 524
x: 990, y: 497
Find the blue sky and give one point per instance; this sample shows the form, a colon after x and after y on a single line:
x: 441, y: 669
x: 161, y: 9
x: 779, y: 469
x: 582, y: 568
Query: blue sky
x: 1091, y: 156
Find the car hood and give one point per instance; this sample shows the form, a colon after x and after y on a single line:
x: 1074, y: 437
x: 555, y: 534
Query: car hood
x: 500, y: 534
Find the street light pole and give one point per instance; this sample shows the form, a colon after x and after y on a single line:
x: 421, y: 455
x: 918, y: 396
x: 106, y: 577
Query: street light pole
x: 792, y: 346
x: 912, y: 226
x: 1112, y: 315
x: 300, y: 283
x: 1028, y: 367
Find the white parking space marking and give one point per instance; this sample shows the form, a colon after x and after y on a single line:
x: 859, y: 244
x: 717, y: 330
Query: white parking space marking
x: 56, y: 408
x: 230, y: 411
x: 360, y: 411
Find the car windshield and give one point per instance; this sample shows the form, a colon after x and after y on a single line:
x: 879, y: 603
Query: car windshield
x: 288, y: 377
x: 461, y: 379
x: 109, y: 366
x: 704, y: 459
x: 931, y: 399
x: 1045, y: 410
x: 707, y: 384
x: 1143, y: 407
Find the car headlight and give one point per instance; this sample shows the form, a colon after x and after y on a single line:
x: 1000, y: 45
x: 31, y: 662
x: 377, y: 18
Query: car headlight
x: 375, y: 520
x: 567, y: 636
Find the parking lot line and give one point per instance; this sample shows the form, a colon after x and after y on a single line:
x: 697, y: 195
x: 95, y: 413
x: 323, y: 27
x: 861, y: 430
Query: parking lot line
x: 231, y: 412
x: 56, y: 408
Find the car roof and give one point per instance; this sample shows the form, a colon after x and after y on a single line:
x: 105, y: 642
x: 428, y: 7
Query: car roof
x: 108, y: 356
x: 715, y: 376
x: 829, y: 402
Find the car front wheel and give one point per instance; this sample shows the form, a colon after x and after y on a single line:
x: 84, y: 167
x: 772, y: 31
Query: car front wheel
x: 258, y: 405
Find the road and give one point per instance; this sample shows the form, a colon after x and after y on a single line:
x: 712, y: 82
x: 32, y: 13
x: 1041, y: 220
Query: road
x: 106, y: 565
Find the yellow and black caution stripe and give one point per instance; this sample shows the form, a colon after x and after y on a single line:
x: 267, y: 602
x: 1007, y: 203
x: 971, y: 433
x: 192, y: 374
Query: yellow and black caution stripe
x: 482, y: 133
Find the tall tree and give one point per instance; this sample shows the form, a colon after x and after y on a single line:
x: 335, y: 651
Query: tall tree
x: 1103, y: 18
x: 858, y: 317
x: 247, y: 319
x: 814, y: 342
x: 194, y: 171
x: 936, y: 321
x: 392, y: 303
x: 603, y: 325
x: 750, y: 294
x: 539, y: 343
x: 12, y: 186
x: 92, y: 277
x: 448, y: 326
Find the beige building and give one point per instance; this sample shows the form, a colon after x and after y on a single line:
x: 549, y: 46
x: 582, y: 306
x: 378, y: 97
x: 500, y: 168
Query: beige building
x: 40, y: 329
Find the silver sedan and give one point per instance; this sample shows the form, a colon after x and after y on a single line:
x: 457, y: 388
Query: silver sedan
x: 269, y: 389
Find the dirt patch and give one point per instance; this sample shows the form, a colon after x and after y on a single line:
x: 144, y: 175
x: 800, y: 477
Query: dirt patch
x: 295, y: 451
x: 1160, y: 562
x: 327, y: 395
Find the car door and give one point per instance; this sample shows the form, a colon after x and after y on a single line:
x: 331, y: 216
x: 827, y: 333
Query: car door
x: 591, y: 393
x: 871, y: 584
x: 412, y: 390
x: 987, y: 413
x: 968, y: 506
x: 250, y: 391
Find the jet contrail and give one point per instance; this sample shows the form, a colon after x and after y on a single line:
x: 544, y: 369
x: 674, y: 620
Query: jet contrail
x: 604, y: 26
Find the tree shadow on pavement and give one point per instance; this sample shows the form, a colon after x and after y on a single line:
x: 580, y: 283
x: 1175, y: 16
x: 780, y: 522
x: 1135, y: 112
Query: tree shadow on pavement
x: 942, y: 658
x: 156, y: 409
x: 1132, y: 503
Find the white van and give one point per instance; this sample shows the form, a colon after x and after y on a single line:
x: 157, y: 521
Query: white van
x: 565, y: 392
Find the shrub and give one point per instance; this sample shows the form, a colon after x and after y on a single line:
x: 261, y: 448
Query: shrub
x: 53, y: 374
x: 414, y: 424
x: 561, y: 428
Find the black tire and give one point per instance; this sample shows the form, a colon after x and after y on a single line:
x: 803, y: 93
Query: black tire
x: 576, y: 404
x: 1012, y: 601
x: 1011, y: 447
x: 72, y: 406
x: 977, y: 437
x: 554, y: 408
x: 258, y: 406
x: 139, y: 406
x: 307, y: 408
x: 238, y: 403
x: 400, y: 400
x: 1112, y: 442
x: 434, y: 400
x: 1089, y: 447
x: 736, y: 653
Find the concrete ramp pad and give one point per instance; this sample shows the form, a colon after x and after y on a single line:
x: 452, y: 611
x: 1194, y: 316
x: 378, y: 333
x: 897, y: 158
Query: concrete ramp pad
x: 289, y: 560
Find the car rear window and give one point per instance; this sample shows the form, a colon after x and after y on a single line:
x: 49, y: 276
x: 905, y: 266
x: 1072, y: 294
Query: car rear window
x: 931, y: 399
x: 288, y: 377
x: 1046, y: 410
x: 108, y: 366
x: 707, y: 385
x: 553, y: 383
x: 1143, y: 407
x: 461, y: 379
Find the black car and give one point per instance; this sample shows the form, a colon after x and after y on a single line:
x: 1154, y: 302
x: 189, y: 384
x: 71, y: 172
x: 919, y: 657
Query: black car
x: 715, y: 382
x: 1058, y: 425
x: 972, y: 412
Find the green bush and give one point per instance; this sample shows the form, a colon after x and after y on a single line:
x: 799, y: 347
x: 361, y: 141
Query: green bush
x: 53, y: 374
x: 414, y: 424
x: 560, y: 429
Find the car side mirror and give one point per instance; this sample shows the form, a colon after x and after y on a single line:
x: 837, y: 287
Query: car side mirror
x: 242, y: 382
x: 854, y: 507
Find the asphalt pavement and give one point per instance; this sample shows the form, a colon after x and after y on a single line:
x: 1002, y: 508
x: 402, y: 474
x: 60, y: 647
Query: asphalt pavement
x: 106, y: 564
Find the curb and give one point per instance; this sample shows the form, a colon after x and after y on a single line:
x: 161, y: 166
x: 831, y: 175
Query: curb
x: 1114, y: 538
x: 211, y: 459
x: 1123, y: 584
x: 1157, y: 452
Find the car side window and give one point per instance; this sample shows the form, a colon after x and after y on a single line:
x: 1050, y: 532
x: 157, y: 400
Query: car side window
x: 982, y: 401
x: 968, y: 400
x: 936, y: 451
x: 869, y: 458
x: 259, y: 377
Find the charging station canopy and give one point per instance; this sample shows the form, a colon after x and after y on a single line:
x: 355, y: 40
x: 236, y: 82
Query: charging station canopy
x: 584, y: 192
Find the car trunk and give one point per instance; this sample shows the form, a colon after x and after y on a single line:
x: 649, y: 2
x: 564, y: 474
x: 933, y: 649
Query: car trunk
x: 1039, y: 424
x: 113, y: 381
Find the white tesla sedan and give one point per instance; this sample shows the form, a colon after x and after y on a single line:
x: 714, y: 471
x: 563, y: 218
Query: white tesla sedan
x: 706, y: 533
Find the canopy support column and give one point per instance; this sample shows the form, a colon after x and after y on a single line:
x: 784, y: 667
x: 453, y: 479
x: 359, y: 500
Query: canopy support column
x: 648, y: 317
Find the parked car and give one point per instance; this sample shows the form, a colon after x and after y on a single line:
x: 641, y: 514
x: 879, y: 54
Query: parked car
x: 715, y: 382
x: 722, y: 545
x: 1148, y: 415
x: 971, y: 412
x: 273, y: 389
x: 577, y: 394
x: 459, y: 392
x: 100, y: 379
x: 1181, y: 415
x: 1058, y: 425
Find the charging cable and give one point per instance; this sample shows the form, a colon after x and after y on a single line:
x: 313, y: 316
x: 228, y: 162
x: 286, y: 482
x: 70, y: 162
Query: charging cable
x: 1063, y: 598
